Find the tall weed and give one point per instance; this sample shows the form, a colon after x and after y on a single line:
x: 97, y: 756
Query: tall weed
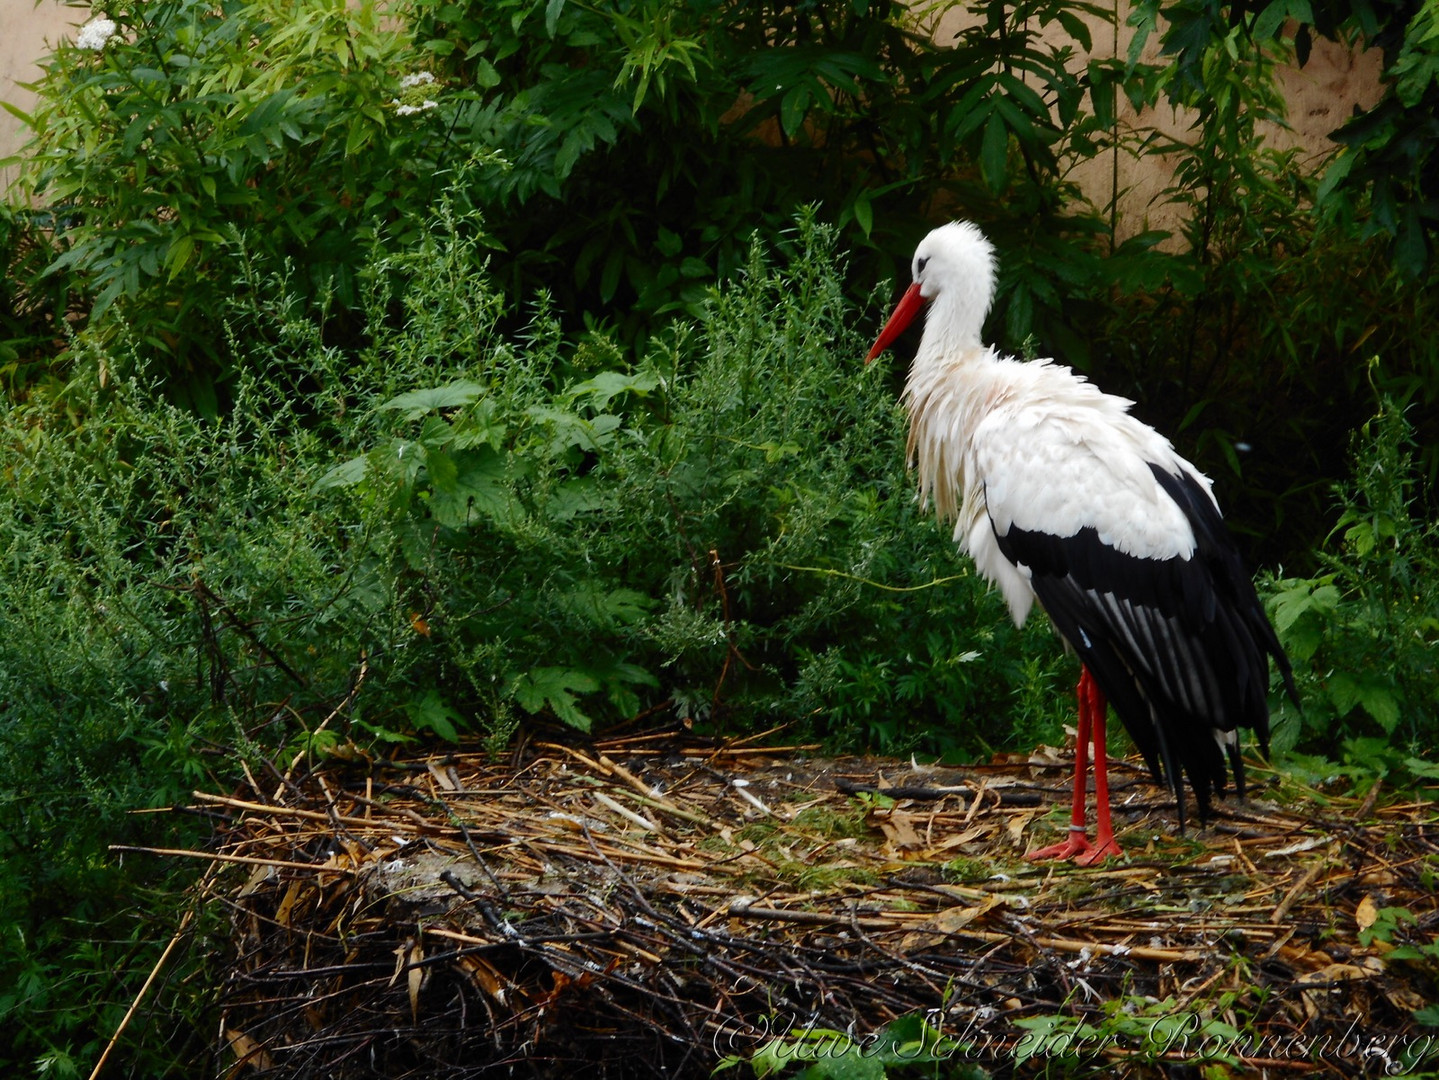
x: 722, y: 528
x: 1364, y: 633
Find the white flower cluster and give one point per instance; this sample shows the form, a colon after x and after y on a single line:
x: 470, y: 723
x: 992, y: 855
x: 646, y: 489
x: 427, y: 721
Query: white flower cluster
x: 409, y: 82
x: 96, y: 33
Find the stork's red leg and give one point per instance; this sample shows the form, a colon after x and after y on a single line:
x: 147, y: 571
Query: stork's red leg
x: 1105, y: 846
x: 1077, y: 843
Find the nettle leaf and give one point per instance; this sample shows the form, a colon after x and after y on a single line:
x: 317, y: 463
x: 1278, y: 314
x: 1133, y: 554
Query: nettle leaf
x: 430, y: 712
x: 469, y: 486
x: 402, y: 459
x: 607, y: 385
x: 346, y: 474
x: 1428, y: 770
x: 1050, y: 1036
x: 774, y: 451
x: 417, y: 403
x: 1304, y: 597
x: 607, y: 608
x: 570, y: 430
x: 481, y: 427
x: 1380, y: 702
x: 436, y: 433
x: 1375, y: 696
x: 834, y: 1055
x: 619, y: 678
x: 555, y: 688
x: 582, y: 495
x: 442, y: 470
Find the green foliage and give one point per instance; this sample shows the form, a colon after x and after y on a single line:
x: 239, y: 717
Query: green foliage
x: 907, y: 1046
x: 1388, y: 151
x: 633, y: 465
x: 1244, y: 343
x: 649, y: 140
x: 198, y: 125
x: 32, y: 306
x: 728, y: 520
x: 1364, y: 633
x: 1144, y: 1028
x: 1396, y: 933
x: 148, y: 602
x: 623, y: 154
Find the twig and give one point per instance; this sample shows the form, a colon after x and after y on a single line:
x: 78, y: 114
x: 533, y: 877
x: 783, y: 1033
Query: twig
x: 1282, y: 911
x: 215, y: 856
x: 248, y: 632
x: 746, y: 910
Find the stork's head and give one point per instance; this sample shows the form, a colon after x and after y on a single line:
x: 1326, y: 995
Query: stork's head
x: 954, y: 272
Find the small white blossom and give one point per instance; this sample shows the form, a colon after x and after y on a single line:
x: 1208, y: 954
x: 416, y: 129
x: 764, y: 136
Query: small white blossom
x: 96, y: 33
x: 410, y: 110
x: 419, y: 78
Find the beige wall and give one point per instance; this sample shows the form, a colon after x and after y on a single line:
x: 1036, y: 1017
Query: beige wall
x: 1321, y: 96
x: 25, y: 27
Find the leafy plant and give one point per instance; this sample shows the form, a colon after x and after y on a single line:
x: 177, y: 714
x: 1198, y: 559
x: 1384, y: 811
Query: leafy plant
x: 1363, y: 633
x: 1242, y: 341
x: 901, y: 1047
x: 648, y: 141
x: 578, y: 535
x: 1383, y: 173
x: 1146, y: 1029
x: 501, y: 480
x: 188, y: 134
x: 623, y: 154
x: 435, y: 532
x: 32, y: 306
x: 1396, y: 934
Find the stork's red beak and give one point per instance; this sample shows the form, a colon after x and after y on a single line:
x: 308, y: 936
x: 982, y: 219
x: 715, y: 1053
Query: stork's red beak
x: 904, y: 313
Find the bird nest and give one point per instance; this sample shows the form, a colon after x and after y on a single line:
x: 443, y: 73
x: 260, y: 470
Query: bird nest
x: 653, y: 906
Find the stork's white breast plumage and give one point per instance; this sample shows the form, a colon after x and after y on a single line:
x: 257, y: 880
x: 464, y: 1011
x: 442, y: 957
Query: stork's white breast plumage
x: 1033, y: 445
x: 1060, y: 495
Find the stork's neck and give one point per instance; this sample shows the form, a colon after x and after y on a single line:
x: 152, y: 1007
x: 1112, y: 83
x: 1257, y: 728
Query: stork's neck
x: 955, y: 318
x: 949, y: 348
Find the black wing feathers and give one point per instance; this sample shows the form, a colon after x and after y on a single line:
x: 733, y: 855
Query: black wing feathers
x: 1180, y: 647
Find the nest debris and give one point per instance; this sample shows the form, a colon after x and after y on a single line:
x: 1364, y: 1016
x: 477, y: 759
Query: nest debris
x: 651, y: 905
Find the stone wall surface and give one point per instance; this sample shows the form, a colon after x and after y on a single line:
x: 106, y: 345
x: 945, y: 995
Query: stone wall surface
x: 25, y: 29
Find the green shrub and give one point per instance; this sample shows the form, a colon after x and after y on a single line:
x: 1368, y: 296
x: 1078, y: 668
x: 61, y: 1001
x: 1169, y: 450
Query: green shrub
x: 623, y: 154
x: 1364, y: 633
x: 198, y: 132
x: 725, y: 524
x: 32, y: 306
x: 648, y: 141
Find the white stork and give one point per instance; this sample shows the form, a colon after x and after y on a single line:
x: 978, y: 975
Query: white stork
x: 1060, y: 495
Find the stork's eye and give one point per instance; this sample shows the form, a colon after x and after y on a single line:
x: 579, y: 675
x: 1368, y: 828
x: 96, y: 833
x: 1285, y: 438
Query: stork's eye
x: 919, y: 265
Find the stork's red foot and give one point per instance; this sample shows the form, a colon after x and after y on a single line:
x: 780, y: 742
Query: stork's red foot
x: 1104, y: 847
x: 1079, y: 850
x: 1077, y: 845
